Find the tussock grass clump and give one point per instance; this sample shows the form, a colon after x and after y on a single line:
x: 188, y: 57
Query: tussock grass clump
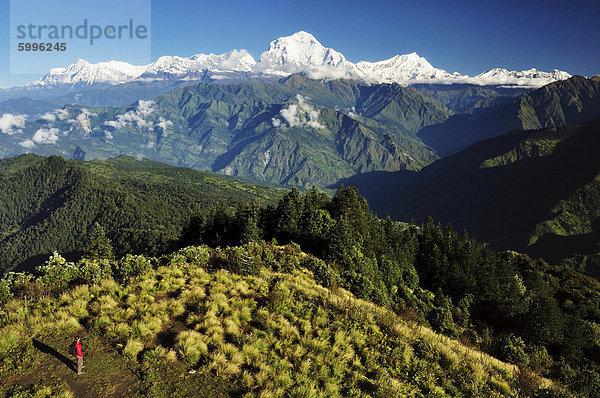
x: 10, y: 339
x: 78, y: 308
x: 67, y: 325
x: 133, y: 348
x: 15, y: 311
x: 147, y: 327
x: 110, y: 286
x: 191, y: 346
x: 106, y: 304
x: 193, y: 297
x: 118, y: 332
x: 102, y: 322
x: 81, y: 292
x: 232, y: 326
x: 171, y: 308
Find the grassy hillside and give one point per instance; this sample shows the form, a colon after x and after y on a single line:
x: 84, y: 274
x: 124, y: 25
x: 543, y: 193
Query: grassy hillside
x: 52, y: 203
x: 267, y: 331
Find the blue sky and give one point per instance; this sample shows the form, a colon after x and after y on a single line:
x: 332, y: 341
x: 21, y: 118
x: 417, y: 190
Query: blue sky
x: 464, y: 36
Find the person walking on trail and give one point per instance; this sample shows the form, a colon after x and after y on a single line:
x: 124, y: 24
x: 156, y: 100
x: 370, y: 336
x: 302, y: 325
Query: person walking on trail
x: 79, y: 355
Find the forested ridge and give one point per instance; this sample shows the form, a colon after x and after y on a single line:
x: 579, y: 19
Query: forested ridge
x: 49, y: 204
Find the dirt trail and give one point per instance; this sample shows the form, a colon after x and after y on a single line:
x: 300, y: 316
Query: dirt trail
x: 105, y: 374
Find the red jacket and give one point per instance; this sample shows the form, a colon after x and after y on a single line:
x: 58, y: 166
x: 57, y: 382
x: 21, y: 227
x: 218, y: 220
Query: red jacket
x: 78, y: 349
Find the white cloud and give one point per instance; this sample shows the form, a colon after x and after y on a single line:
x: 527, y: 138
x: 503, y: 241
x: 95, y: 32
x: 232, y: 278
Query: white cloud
x: 301, y: 114
x: 145, y: 107
x: 46, y: 136
x: 49, y: 117
x: 290, y: 114
x: 60, y: 114
x: 27, y: 144
x: 352, y: 112
x: 327, y: 72
x: 232, y: 59
x: 11, y: 124
x: 117, y: 124
x: 84, y: 115
x: 150, y: 144
x: 108, y: 135
x: 164, y: 124
x: 136, y: 116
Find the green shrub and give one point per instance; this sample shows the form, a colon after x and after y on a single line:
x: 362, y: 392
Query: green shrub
x: 195, y: 255
x: 155, y: 356
x: 94, y: 271
x: 5, y: 293
x: 132, y: 266
x: 17, y: 282
x: 322, y: 272
x: 512, y: 348
x: 57, y: 274
x: 236, y: 260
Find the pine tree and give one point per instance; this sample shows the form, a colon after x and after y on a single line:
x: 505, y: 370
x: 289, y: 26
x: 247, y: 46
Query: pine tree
x: 247, y: 218
x: 98, y: 244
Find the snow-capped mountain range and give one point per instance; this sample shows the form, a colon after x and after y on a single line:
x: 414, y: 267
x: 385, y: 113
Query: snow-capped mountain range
x: 298, y: 53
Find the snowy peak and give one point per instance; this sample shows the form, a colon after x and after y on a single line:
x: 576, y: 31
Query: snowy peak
x: 236, y: 60
x: 84, y: 72
x: 528, y: 77
x: 174, y: 67
x: 406, y: 69
x: 298, y: 52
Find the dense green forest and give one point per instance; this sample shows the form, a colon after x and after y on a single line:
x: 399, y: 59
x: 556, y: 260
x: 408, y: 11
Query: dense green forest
x: 524, y: 311
x: 535, y: 191
x: 49, y: 204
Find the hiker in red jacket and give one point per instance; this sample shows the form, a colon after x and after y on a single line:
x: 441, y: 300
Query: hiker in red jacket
x: 79, y: 355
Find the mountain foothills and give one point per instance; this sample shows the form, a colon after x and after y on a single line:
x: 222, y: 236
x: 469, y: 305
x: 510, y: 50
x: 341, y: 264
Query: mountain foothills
x: 369, y: 308
x: 535, y: 191
x: 53, y: 204
x: 298, y: 131
x: 565, y: 102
